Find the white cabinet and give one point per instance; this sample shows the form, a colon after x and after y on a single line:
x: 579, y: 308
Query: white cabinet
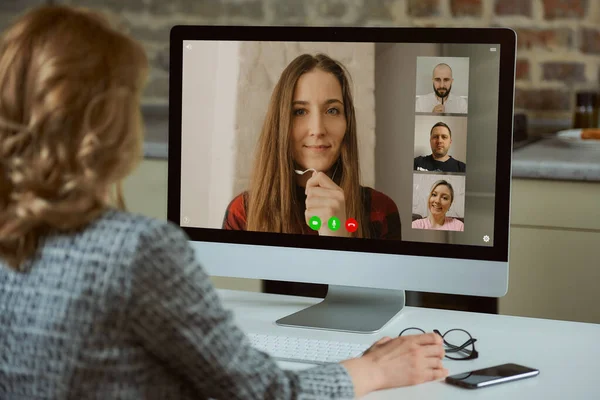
x: 554, y: 260
x: 145, y: 190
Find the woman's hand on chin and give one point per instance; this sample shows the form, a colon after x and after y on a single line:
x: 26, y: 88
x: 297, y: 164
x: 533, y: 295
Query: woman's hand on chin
x: 325, y: 199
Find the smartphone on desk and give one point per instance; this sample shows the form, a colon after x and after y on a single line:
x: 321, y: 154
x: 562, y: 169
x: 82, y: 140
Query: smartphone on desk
x: 492, y: 376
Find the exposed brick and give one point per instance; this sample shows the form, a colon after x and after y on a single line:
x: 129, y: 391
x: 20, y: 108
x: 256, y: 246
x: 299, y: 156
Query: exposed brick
x: 342, y: 12
x: 17, y: 6
x: 424, y: 8
x: 537, y: 36
x: 466, y: 8
x: 522, y: 72
x: 514, y: 7
x: 202, y: 8
x: 117, y: 6
x: 10, y: 10
x: 560, y: 9
x: 380, y: 10
x: 5, y: 20
x: 334, y: 9
x: 289, y: 10
x: 563, y: 71
x: 542, y: 99
x: 544, y: 38
x: 590, y: 41
x: 149, y: 33
x: 205, y: 9
x: 252, y: 9
x: 209, y: 9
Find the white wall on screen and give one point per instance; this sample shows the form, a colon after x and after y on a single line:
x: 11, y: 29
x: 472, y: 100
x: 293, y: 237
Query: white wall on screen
x: 460, y: 73
x: 395, y: 74
x: 207, y: 124
x: 458, y: 127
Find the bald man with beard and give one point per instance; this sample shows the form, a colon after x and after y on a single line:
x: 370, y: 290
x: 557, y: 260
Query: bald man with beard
x: 441, y: 100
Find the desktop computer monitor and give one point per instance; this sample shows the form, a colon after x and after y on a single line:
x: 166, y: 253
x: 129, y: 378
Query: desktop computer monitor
x: 374, y: 160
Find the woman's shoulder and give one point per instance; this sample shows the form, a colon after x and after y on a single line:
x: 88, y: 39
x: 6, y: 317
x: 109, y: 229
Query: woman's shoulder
x: 422, y: 223
x: 235, y: 214
x: 116, y: 240
x: 113, y: 217
x: 127, y: 228
x: 455, y: 224
x: 238, y: 202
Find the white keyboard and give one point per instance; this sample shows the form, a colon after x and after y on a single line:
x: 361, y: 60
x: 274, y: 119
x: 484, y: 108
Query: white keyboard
x: 313, y: 351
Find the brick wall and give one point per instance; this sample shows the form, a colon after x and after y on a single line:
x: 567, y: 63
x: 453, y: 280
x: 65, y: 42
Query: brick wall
x: 558, y: 45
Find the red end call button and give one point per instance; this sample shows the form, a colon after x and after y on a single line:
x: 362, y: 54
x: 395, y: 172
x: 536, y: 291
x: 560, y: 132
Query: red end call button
x: 351, y: 225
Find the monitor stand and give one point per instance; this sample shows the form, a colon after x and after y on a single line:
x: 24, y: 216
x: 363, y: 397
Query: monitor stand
x: 349, y: 309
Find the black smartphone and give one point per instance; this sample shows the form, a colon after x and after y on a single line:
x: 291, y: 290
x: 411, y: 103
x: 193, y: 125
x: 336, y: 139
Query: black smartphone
x: 492, y: 376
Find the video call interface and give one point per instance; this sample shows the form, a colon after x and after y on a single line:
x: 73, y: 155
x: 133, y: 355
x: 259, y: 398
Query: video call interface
x: 378, y: 141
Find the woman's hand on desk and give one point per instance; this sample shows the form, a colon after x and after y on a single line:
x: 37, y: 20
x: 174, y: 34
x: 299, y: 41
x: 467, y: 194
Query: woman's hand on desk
x: 402, y: 361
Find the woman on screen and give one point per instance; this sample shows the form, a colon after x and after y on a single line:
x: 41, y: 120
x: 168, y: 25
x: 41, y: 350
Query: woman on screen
x: 98, y: 302
x: 307, y: 161
x: 439, y: 201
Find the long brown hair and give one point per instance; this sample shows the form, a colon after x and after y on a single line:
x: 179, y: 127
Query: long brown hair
x: 272, y: 205
x: 70, y: 123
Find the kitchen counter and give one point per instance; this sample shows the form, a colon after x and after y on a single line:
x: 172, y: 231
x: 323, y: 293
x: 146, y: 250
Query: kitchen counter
x: 554, y: 159
x: 156, y: 130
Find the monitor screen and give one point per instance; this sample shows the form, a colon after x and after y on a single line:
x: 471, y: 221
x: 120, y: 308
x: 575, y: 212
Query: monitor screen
x: 341, y: 141
x: 394, y: 145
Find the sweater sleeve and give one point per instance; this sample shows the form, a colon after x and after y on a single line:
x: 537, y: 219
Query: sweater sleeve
x: 235, y: 214
x: 178, y: 316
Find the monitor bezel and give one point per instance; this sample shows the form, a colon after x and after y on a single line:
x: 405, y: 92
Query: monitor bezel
x: 504, y: 37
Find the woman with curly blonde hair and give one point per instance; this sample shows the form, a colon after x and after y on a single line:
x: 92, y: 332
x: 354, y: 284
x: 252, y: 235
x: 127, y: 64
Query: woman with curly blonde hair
x: 96, y: 302
x: 70, y: 125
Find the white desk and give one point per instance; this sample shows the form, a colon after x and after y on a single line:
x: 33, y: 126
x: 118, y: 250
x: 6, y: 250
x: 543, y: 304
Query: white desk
x: 566, y: 353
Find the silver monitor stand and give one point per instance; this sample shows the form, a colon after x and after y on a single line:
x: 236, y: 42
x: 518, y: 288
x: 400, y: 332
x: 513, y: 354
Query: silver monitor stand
x: 349, y: 309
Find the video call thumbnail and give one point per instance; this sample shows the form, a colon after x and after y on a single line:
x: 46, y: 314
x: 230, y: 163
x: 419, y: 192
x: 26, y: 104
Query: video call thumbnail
x: 438, y: 196
x: 440, y: 144
x: 448, y: 91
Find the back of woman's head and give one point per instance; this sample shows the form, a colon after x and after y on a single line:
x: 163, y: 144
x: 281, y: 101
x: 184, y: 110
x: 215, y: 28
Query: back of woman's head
x: 70, y: 125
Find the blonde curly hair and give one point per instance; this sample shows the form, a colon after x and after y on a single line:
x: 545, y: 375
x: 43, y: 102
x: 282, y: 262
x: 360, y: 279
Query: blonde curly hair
x: 70, y: 123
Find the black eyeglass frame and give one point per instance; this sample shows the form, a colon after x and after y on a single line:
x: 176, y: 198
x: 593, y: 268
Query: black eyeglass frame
x: 452, y: 348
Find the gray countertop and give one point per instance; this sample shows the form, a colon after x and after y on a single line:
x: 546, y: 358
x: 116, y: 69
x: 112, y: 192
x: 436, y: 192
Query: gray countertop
x: 554, y: 159
x: 156, y: 126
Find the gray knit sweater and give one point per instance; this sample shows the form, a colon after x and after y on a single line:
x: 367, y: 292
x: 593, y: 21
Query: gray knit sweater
x: 122, y: 310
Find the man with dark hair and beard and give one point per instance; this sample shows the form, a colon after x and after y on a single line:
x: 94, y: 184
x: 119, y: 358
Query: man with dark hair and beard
x: 440, y: 139
x: 440, y: 100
